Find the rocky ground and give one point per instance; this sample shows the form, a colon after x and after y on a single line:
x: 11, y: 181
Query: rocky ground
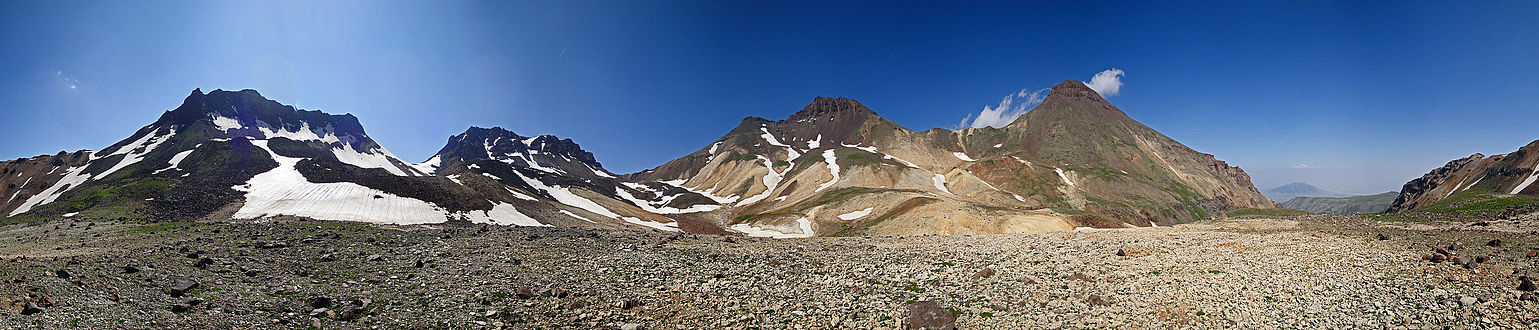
x: 1298, y: 272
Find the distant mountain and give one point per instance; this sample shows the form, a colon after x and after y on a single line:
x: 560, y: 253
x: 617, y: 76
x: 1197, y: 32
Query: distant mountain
x: 1343, y: 205
x: 1299, y: 189
x: 833, y: 168
x: 1492, y: 177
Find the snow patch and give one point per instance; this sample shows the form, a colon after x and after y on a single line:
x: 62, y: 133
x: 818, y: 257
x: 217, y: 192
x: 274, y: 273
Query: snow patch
x: 1062, y: 176
x: 940, y: 183
x: 565, y: 196
x: 574, y: 215
x: 1526, y: 182
x: 999, y: 145
x: 962, y: 156
x: 134, y: 152
x: 803, y: 224
x: 71, y: 214
x: 857, y: 214
x: 671, y: 226
x: 225, y: 124
x: 648, y: 206
x: 815, y: 142
x: 378, y: 158
x: 503, y: 214
x: 833, y: 168
x: 719, y: 199
x: 176, y: 160
x: 771, y: 181
x: 429, y: 166
x: 284, y: 191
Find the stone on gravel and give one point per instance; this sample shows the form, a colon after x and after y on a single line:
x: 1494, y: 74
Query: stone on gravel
x: 1526, y: 284
x: 985, y: 273
x: 30, y: 308
x: 1383, y: 237
x: 1468, y: 301
x: 131, y: 268
x: 1494, y: 242
x: 524, y: 292
x: 630, y: 326
x: 61, y: 273
x: 929, y: 315
x: 1097, y: 300
x: 181, y: 285
x: 320, y: 302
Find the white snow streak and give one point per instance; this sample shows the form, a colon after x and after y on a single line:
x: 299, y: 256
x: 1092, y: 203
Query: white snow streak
x: 815, y: 142
x: 176, y: 160
x: 962, y: 156
x: 803, y: 224
x: 71, y: 214
x: 565, y: 196
x: 771, y: 181
x: 225, y: 124
x: 719, y: 199
x: 429, y: 166
x: 574, y: 215
x: 378, y: 158
x: 940, y: 183
x: 646, y: 206
x: 671, y: 226
x: 833, y: 168
x: 856, y: 215
x: 503, y: 214
x: 1526, y: 182
x: 1062, y: 176
x: 134, y: 152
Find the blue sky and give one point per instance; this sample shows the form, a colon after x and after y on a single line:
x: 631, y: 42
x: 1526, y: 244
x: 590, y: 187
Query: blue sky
x: 1351, y: 96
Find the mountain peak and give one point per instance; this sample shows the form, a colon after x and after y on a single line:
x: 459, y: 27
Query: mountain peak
x: 1074, y: 89
x: 824, y: 105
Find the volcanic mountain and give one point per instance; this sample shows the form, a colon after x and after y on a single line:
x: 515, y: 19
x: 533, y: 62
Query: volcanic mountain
x: 833, y: 168
x: 235, y: 154
x: 1479, y: 176
x: 837, y: 168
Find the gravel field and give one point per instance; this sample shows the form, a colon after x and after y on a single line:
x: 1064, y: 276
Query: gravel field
x: 1298, y: 272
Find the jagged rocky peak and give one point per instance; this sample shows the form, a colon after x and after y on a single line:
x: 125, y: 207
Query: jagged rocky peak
x: 496, y: 142
x: 247, y: 113
x: 824, y: 106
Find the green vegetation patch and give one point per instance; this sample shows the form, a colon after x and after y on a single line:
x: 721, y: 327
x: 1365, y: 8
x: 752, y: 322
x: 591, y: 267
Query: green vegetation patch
x: 1253, y: 212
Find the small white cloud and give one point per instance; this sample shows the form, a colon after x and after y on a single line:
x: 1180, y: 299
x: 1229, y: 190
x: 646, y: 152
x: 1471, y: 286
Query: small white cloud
x: 72, y: 83
x: 1301, y: 166
x: 1106, y: 83
x: 1009, y: 108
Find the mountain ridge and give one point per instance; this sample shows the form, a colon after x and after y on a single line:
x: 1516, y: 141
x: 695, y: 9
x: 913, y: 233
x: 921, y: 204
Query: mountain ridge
x: 834, y: 167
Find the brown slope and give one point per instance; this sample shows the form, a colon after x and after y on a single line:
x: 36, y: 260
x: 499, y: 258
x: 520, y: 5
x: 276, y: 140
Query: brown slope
x: 1507, y: 174
x: 770, y: 175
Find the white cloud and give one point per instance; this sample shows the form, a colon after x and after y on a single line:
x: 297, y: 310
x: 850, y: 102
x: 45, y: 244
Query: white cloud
x: 72, y: 83
x: 1012, y: 106
x: 1301, y: 166
x: 1106, y: 83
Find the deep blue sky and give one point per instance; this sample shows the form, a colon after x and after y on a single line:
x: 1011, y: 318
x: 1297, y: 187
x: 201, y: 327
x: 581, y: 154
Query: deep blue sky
x: 1367, y: 95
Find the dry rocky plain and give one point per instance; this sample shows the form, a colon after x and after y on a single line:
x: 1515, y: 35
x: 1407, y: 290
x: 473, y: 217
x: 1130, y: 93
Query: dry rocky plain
x: 1290, y: 272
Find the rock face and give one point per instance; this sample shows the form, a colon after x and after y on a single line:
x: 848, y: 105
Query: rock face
x: 837, y: 168
x: 1509, y: 174
x: 1343, y: 205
